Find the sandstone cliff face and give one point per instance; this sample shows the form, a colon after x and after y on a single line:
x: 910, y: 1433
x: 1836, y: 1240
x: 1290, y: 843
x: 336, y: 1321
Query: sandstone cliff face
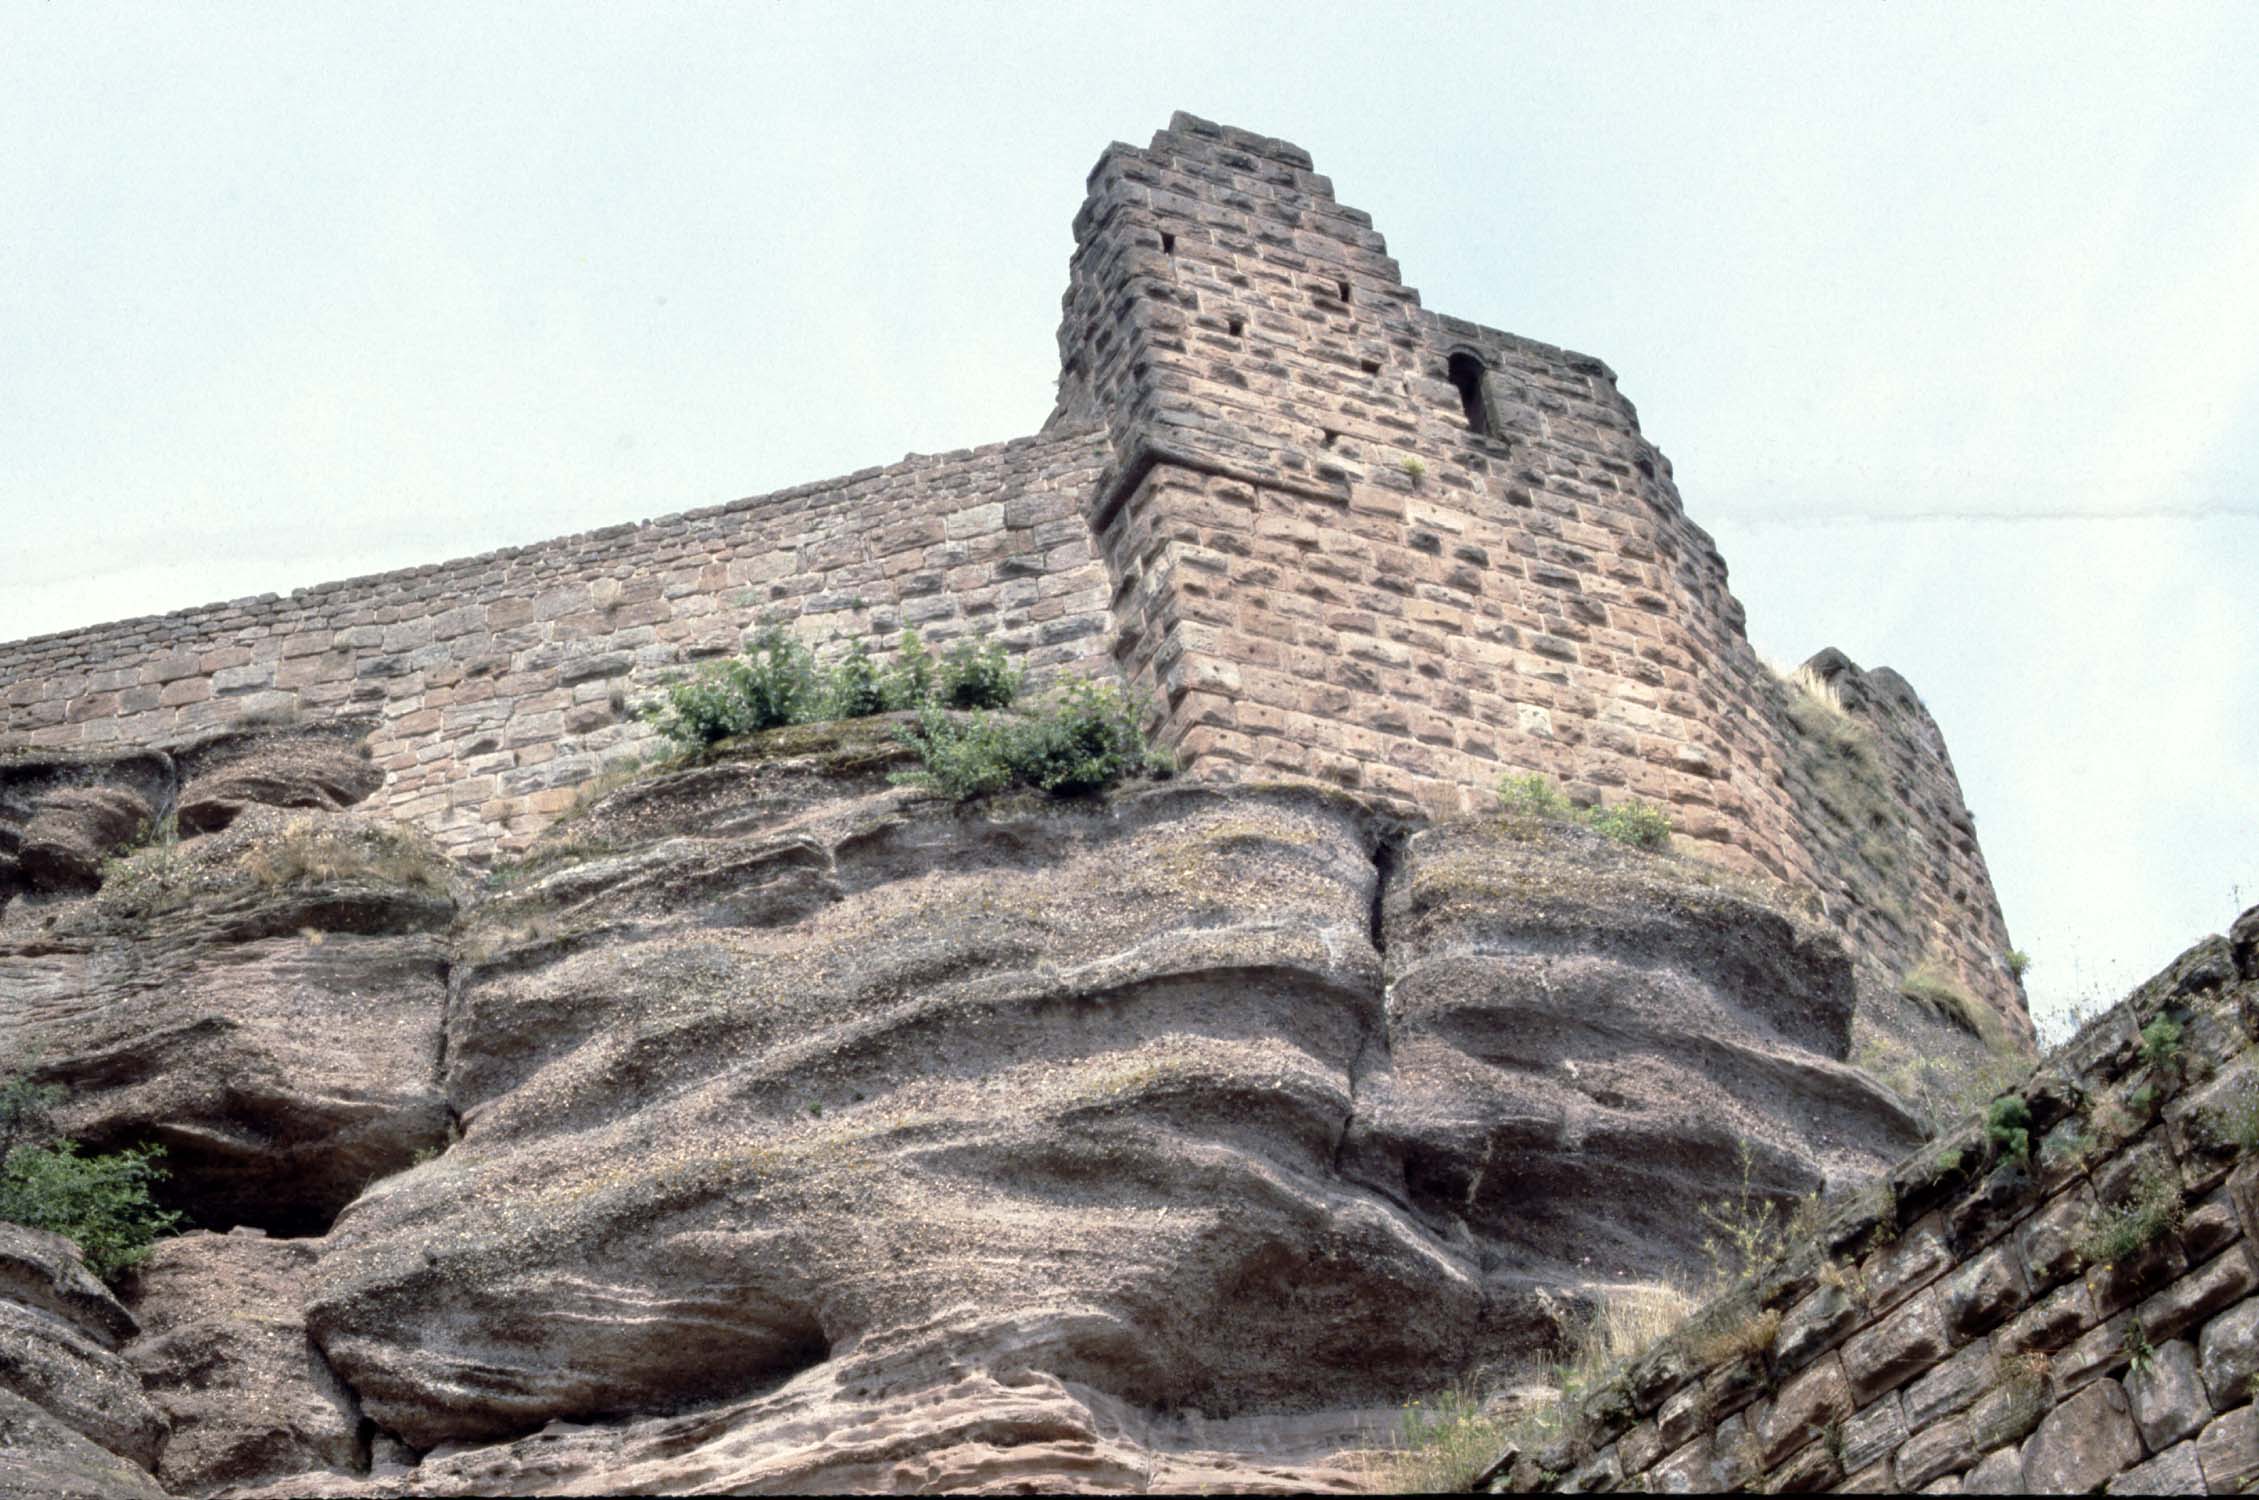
x: 773, y: 1127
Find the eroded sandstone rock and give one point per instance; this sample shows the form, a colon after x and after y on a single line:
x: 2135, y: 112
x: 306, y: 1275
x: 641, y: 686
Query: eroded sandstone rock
x: 260, y: 1003
x: 59, y: 1330
x: 61, y: 816
x: 223, y: 1353
x: 40, y: 1456
x: 818, y: 1135
x: 322, y: 766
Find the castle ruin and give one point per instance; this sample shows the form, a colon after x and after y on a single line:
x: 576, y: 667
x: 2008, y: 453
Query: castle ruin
x: 1333, y: 534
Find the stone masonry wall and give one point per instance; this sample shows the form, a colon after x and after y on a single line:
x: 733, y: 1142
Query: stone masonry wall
x: 1325, y: 569
x: 504, y: 681
x: 1973, y: 1326
x: 1264, y: 496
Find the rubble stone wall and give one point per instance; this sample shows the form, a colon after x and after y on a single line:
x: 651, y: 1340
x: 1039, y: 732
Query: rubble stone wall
x: 2081, y: 1315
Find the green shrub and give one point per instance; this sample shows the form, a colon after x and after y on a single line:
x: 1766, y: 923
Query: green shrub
x: 1533, y: 796
x: 1748, y: 1234
x: 778, y: 682
x: 2154, y: 1211
x: 2161, y: 1044
x: 1089, y: 737
x: 2019, y: 962
x: 1639, y: 824
x: 1642, y: 825
x: 99, y: 1202
x: 2008, y: 1126
x: 975, y: 677
x: 853, y: 689
x: 909, y: 682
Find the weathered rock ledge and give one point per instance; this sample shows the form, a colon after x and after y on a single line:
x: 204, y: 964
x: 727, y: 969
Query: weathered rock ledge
x: 776, y: 1128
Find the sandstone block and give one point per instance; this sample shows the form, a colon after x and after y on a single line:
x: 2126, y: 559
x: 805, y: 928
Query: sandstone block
x: 2083, y: 1442
x: 2000, y: 1472
x: 2095, y: 1352
x: 1908, y: 1263
x: 1815, y: 1324
x: 1934, y: 1451
x: 1873, y: 1434
x: 1688, y: 1470
x: 2228, y: 1354
x: 2228, y: 1451
x: 2168, y: 1395
x: 1683, y: 1415
x: 1901, y: 1346
x: 2176, y: 1471
x: 2054, y: 1321
x: 1803, y: 1410
x: 2048, y: 1241
x: 1638, y: 1449
x: 1982, y: 1293
x: 1951, y: 1386
x: 2226, y: 1278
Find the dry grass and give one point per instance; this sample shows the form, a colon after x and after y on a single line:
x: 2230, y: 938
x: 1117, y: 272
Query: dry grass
x: 311, y: 853
x: 1929, y: 986
x: 1449, y: 1439
x: 1446, y: 1442
x: 1630, y: 1321
x: 1745, y: 1336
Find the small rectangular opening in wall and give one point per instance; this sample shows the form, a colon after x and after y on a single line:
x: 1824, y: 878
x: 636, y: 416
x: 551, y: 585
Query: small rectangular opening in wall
x: 1369, y: 366
x: 1344, y: 288
x: 1331, y: 437
x: 1238, y: 327
x: 1168, y: 243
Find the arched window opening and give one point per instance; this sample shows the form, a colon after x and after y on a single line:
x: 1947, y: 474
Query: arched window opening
x: 1467, y: 373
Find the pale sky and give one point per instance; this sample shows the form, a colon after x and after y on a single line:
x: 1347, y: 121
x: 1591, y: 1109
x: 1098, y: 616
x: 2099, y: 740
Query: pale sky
x: 1948, y: 315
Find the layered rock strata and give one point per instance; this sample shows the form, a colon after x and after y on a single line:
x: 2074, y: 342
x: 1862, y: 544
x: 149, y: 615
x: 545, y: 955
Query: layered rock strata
x: 776, y: 1127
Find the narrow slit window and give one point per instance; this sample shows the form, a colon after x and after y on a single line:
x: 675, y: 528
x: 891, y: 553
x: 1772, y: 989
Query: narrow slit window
x: 1238, y: 327
x: 1343, y: 287
x: 1168, y: 243
x: 1468, y: 374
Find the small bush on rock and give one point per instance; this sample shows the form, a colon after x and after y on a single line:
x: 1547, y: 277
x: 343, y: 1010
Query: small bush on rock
x: 2161, y: 1044
x: 311, y: 853
x: 1642, y: 825
x: 1089, y: 737
x: 100, y: 1203
x: 854, y: 689
x: 1447, y: 1442
x: 909, y: 682
x: 778, y: 682
x: 1748, y: 1234
x: 1639, y: 824
x: 2153, y: 1212
x: 973, y: 677
x: 2007, y: 1125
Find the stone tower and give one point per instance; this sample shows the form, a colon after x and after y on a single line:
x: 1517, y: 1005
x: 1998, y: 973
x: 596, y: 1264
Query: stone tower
x: 1336, y: 534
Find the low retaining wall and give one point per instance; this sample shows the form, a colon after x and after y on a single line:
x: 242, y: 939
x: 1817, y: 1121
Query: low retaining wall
x: 2083, y: 1316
